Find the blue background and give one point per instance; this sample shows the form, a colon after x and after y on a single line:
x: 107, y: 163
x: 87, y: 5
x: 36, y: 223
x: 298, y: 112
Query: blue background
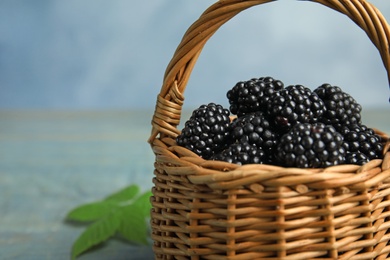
x: 95, y: 54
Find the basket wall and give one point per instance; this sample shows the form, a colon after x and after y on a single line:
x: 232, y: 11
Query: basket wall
x: 222, y: 211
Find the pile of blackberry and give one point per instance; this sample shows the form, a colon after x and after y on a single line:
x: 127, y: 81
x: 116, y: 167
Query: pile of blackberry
x: 289, y: 126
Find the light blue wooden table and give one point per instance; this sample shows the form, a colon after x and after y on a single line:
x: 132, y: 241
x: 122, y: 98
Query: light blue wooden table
x: 51, y: 162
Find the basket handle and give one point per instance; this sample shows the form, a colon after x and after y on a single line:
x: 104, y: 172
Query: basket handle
x: 170, y: 99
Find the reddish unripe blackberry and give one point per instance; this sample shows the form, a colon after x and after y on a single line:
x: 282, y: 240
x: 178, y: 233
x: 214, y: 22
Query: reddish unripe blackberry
x: 294, y: 104
x: 241, y: 153
x: 255, y: 129
x: 362, y: 143
x: 341, y: 108
x: 207, y: 131
x: 252, y: 95
x: 311, y: 146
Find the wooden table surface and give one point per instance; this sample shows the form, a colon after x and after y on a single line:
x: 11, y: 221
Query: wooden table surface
x: 51, y: 162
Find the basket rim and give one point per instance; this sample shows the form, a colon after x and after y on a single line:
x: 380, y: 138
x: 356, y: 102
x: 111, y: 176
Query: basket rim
x: 179, y: 162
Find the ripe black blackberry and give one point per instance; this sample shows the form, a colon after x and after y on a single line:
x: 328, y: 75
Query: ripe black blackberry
x: 256, y: 130
x: 252, y: 95
x: 207, y: 131
x: 362, y: 144
x: 341, y: 108
x: 294, y: 104
x: 356, y: 158
x: 311, y: 146
x: 241, y: 153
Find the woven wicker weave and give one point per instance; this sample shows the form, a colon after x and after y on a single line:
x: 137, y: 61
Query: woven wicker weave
x: 215, y: 210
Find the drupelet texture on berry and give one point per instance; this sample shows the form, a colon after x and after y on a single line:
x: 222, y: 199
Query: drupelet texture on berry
x: 362, y: 143
x: 341, y: 108
x: 207, y: 131
x: 252, y: 95
x: 311, y: 146
x: 241, y: 153
x: 255, y: 129
x: 294, y: 104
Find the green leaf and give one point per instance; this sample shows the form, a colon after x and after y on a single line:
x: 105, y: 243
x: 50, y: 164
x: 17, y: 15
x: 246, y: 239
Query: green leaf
x: 123, y: 212
x: 91, y: 211
x: 125, y: 194
x: 133, y: 227
x: 97, y: 233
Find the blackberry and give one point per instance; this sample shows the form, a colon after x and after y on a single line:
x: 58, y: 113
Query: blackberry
x: 241, y: 153
x: 362, y: 143
x: 252, y: 95
x: 294, y: 104
x: 356, y: 158
x: 207, y: 130
x: 341, y: 108
x: 311, y: 146
x: 256, y: 130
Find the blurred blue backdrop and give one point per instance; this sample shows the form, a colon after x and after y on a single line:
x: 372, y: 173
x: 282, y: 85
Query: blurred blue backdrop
x: 95, y: 54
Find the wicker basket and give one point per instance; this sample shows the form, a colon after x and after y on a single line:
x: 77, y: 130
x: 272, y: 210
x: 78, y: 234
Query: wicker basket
x: 215, y: 210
